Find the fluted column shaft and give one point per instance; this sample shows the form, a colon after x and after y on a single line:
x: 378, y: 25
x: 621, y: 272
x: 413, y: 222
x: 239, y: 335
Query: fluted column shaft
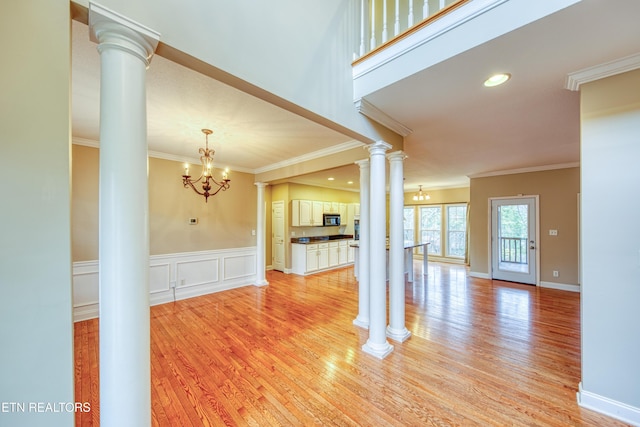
x: 125, y: 51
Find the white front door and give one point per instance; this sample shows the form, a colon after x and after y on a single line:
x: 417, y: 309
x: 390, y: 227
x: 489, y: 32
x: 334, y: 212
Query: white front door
x: 514, y: 239
x: 277, y: 235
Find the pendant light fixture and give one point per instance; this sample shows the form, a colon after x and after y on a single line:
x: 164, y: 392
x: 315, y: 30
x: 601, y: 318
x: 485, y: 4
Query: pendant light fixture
x: 210, y: 187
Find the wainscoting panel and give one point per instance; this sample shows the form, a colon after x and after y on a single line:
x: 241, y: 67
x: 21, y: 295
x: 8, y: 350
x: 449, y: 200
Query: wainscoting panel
x: 195, y: 273
x: 159, y: 278
x: 172, y: 277
x: 238, y: 266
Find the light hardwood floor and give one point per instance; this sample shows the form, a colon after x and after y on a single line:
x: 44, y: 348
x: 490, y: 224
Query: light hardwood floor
x: 482, y: 353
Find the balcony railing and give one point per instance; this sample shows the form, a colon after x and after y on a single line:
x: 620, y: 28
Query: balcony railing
x: 513, y: 250
x: 383, y: 21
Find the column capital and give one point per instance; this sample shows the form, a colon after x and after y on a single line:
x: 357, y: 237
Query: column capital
x: 364, y: 163
x: 397, y: 155
x: 260, y: 184
x: 112, y: 30
x: 378, y: 147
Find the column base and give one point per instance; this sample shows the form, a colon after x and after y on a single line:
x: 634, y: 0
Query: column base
x: 261, y: 283
x: 361, y: 323
x: 399, y: 335
x: 378, y: 350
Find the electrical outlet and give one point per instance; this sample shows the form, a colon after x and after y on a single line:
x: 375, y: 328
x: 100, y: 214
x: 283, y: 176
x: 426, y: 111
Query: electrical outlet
x: 556, y: 273
x: 253, y: 232
x: 193, y: 221
x: 553, y: 232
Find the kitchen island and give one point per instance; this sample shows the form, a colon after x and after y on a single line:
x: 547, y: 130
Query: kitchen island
x: 408, y: 258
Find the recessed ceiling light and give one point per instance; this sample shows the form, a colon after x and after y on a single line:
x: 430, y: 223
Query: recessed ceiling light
x: 497, y: 79
x: 331, y: 178
x: 349, y: 182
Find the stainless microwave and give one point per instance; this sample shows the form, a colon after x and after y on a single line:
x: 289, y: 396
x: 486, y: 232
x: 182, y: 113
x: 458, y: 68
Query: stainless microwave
x: 330, y: 219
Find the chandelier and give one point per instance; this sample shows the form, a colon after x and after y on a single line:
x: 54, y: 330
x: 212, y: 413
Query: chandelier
x: 420, y: 196
x: 210, y: 187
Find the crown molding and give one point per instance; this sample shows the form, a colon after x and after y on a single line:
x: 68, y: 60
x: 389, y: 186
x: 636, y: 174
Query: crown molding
x: 601, y: 71
x: 366, y: 108
x: 526, y: 170
x: 292, y: 161
x: 159, y: 155
x: 311, y: 156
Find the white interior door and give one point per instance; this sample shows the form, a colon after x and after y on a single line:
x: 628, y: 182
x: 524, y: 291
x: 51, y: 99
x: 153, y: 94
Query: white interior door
x: 514, y: 239
x: 277, y: 235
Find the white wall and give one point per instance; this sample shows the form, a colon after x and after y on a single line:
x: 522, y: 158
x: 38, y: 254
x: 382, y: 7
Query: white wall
x: 610, y: 111
x: 36, y: 335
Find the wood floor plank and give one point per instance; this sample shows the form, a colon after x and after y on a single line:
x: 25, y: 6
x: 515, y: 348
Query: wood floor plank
x: 482, y: 353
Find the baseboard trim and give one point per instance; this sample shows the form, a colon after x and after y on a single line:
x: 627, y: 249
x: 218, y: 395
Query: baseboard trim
x: 621, y: 411
x: 560, y: 286
x: 479, y: 275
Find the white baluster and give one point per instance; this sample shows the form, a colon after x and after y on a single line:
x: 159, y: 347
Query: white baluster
x: 410, y: 18
x: 385, y: 32
x: 442, y: 4
x: 363, y: 13
x: 396, y: 28
x: 372, y: 42
x: 425, y: 9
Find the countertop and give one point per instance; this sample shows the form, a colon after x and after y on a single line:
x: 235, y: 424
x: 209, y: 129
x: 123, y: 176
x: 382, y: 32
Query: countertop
x: 315, y: 239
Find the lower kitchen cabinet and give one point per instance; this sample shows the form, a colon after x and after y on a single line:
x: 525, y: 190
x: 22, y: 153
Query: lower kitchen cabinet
x: 308, y: 258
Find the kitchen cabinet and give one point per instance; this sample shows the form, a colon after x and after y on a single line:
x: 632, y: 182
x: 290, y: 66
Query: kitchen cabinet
x: 343, y: 250
x: 306, y: 213
x: 311, y: 257
x: 334, y: 254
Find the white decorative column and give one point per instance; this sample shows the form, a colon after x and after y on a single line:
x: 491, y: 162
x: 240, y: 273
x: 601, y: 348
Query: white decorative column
x: 261, y: 237
x: 125, y: 49
x: 362, y: 320
x: 396, y: 329
x: 377, y: 344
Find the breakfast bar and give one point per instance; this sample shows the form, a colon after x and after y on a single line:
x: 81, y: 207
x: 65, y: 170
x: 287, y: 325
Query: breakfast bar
x: 408, y: 258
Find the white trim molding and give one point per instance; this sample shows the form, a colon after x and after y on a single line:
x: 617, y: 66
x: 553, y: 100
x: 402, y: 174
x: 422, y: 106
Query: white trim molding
x: 366, y: 108
x: 172, y: 277
x: 560, y: 286
x: 601, y: 71
x: 621, y: 411
x: 479, y: 275
x: 525, y: 170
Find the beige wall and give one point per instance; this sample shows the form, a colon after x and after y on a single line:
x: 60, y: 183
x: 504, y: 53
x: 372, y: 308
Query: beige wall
x: 225, y: 221
x: 610, y: 149
x: 36, y: 330
x: 558, y: 191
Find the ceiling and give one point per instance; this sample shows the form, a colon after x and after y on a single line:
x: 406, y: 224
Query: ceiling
x: 459, y: 127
